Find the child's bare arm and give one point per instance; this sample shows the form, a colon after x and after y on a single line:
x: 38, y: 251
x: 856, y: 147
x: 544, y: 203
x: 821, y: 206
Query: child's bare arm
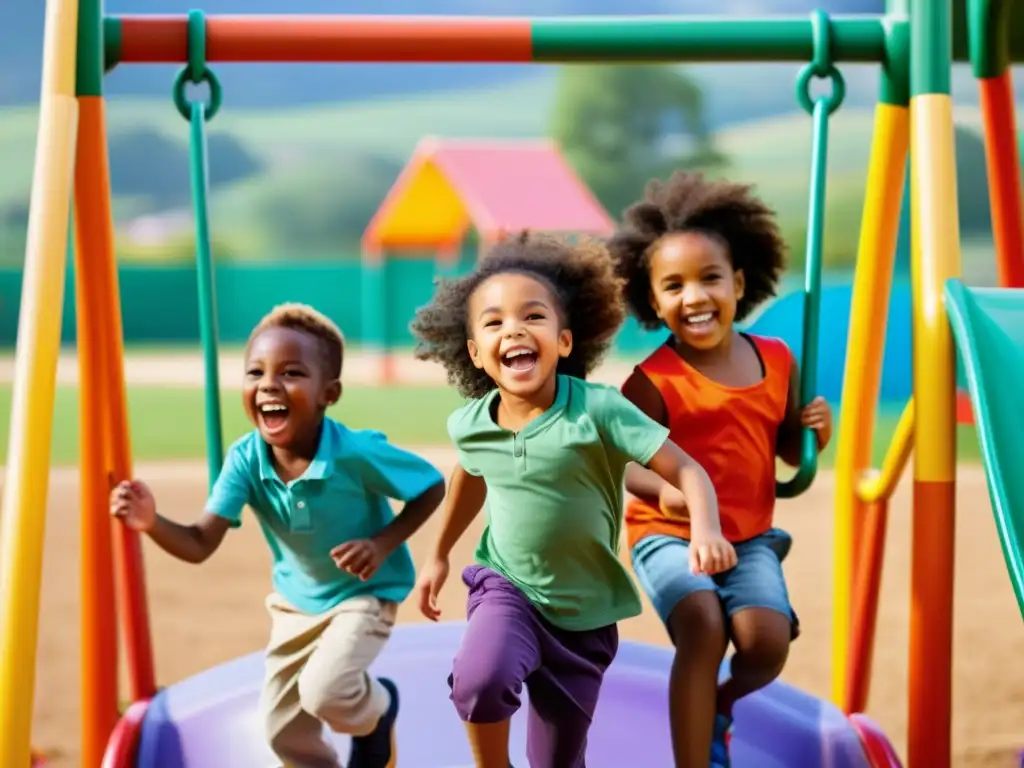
x: 413, y: 515
x: 677, y: 468
x: 192, y: 543
x: 640, y: 481
x: 466, y: 496
x: 134, y: 503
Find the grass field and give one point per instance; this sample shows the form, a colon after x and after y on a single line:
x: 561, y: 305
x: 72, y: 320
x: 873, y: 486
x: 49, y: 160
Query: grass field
x: 168, y: 423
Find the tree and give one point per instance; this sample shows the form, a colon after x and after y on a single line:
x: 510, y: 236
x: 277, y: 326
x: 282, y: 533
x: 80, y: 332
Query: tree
x: 324, y: 206
x: 148, y: 164
x: 621, y: 124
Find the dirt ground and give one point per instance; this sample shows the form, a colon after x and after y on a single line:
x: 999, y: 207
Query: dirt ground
x: 206, y: 615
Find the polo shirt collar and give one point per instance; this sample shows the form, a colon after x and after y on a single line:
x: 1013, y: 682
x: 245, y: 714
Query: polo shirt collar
x: 561, y: 400
x: 320, y: 467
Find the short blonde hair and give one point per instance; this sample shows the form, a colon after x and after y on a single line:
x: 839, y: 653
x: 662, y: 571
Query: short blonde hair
x: 304, y: 318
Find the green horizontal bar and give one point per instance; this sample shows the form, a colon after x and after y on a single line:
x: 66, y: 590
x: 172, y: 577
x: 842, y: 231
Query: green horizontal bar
x: 703, y: 38
x: 112, y: 37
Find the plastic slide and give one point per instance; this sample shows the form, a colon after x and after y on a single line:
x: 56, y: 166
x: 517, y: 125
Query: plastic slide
x: 210, y: 720
x: 988, y: 326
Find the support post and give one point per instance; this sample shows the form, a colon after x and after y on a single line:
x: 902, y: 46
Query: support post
x: 935, y: 258
x: 93, y: 236
x: 96, y: 236
x: 865, y: 348
x: 26, y: 483
x: 988, y: 22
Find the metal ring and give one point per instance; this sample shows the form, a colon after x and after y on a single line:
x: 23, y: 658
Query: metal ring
x: 196, y: 71
x: 184, y: 104
x: 820, y: 66
x: 803, y: 88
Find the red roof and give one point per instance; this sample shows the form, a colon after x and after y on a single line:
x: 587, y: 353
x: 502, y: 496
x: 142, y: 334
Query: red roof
x: 499, y: 186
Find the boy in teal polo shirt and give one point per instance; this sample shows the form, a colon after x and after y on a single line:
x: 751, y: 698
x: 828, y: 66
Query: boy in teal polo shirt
x: 341, y: 564
x: 547, y: 451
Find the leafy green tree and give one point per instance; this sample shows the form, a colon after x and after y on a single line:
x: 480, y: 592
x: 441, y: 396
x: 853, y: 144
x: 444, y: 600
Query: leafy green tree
x: 323, y: 208
x: 621, y: 124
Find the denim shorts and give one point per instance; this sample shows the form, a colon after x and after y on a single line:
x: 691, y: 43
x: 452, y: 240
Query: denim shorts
x: 662, y: 565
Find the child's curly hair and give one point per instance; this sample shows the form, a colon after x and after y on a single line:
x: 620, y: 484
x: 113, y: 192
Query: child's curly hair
x: 581, y: 277
x: 688, y: 202
x: 302, y: 317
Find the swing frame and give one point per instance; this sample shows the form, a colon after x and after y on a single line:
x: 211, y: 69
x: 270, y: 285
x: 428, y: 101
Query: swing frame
x: 913, y: 43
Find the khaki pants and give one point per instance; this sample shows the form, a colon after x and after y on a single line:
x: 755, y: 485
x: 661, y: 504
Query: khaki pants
x: 316, y: 674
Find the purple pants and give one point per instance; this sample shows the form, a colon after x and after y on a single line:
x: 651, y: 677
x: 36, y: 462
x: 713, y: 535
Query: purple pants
x: 508, y: 643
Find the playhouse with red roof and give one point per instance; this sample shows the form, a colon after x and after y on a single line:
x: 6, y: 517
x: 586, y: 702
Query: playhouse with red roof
x: 453, y: 187
x: 450, y: 186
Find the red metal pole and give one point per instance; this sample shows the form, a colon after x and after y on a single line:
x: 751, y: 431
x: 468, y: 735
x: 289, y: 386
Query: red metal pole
x: 1003, y: 163
x: 299, y: 39
x: 865, y: 606
x: 98, y: 611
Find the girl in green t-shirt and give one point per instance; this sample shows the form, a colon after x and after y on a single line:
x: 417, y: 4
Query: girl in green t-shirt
x: 548, y: 452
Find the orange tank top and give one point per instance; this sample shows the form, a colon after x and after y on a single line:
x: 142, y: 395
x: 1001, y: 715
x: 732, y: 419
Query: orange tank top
x: 730, y: 431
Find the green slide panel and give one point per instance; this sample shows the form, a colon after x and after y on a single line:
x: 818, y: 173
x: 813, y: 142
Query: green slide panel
x: 988, y: 327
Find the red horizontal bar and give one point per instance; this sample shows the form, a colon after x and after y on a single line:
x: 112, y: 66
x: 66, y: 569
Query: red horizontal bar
x: 301, y: 39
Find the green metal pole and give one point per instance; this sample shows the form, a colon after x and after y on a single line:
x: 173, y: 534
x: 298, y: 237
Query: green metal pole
x: 820, y: 109
x: 199, y: 168
x: 89, y: 56
x: 895, y: 79
x: 703, y: 38
x: 111, y: 42
x: 988, y: 36
x: 197, y: 113
x: 931, y: 47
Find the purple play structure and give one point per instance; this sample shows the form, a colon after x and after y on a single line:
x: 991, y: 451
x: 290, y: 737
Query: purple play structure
x: 210, y: 720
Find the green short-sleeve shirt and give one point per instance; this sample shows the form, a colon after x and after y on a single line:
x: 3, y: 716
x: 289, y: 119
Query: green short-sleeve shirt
x: 554, y: 498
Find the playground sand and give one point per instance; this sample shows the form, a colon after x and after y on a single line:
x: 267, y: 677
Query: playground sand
x: 202, y: 616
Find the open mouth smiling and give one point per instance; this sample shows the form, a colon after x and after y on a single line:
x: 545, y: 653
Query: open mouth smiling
x: 273, y: 415
x: 519, y: 359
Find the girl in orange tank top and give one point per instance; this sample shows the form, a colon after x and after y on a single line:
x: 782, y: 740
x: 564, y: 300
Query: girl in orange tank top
x: 698, y: 255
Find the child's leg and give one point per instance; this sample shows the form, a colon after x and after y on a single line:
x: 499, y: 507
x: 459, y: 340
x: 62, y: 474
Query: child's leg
x: 335, y: 687
x: 564, y: 693
x: 692, y: 612
x: 762, y: 622
x: 294, y: 735
x: 499, y: 651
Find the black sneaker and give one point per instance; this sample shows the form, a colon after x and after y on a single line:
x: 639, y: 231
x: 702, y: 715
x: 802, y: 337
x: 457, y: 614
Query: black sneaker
x: 377, y: 749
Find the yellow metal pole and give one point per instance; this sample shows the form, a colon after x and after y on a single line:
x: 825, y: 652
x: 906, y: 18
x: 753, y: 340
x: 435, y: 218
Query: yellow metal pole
x: 872, y: 286
x: 880, y: 486
x: 935, y: 235
x: 35, y: 373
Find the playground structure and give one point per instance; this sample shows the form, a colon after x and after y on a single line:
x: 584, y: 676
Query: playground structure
x: 208, y: 720
x: 451, y: 188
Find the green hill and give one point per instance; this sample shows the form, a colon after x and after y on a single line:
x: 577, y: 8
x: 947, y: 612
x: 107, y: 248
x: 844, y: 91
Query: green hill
x: 348, y: 154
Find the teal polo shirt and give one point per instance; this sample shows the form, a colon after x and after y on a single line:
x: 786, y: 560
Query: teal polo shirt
x: 554, y: 498
x: 342, y: 496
